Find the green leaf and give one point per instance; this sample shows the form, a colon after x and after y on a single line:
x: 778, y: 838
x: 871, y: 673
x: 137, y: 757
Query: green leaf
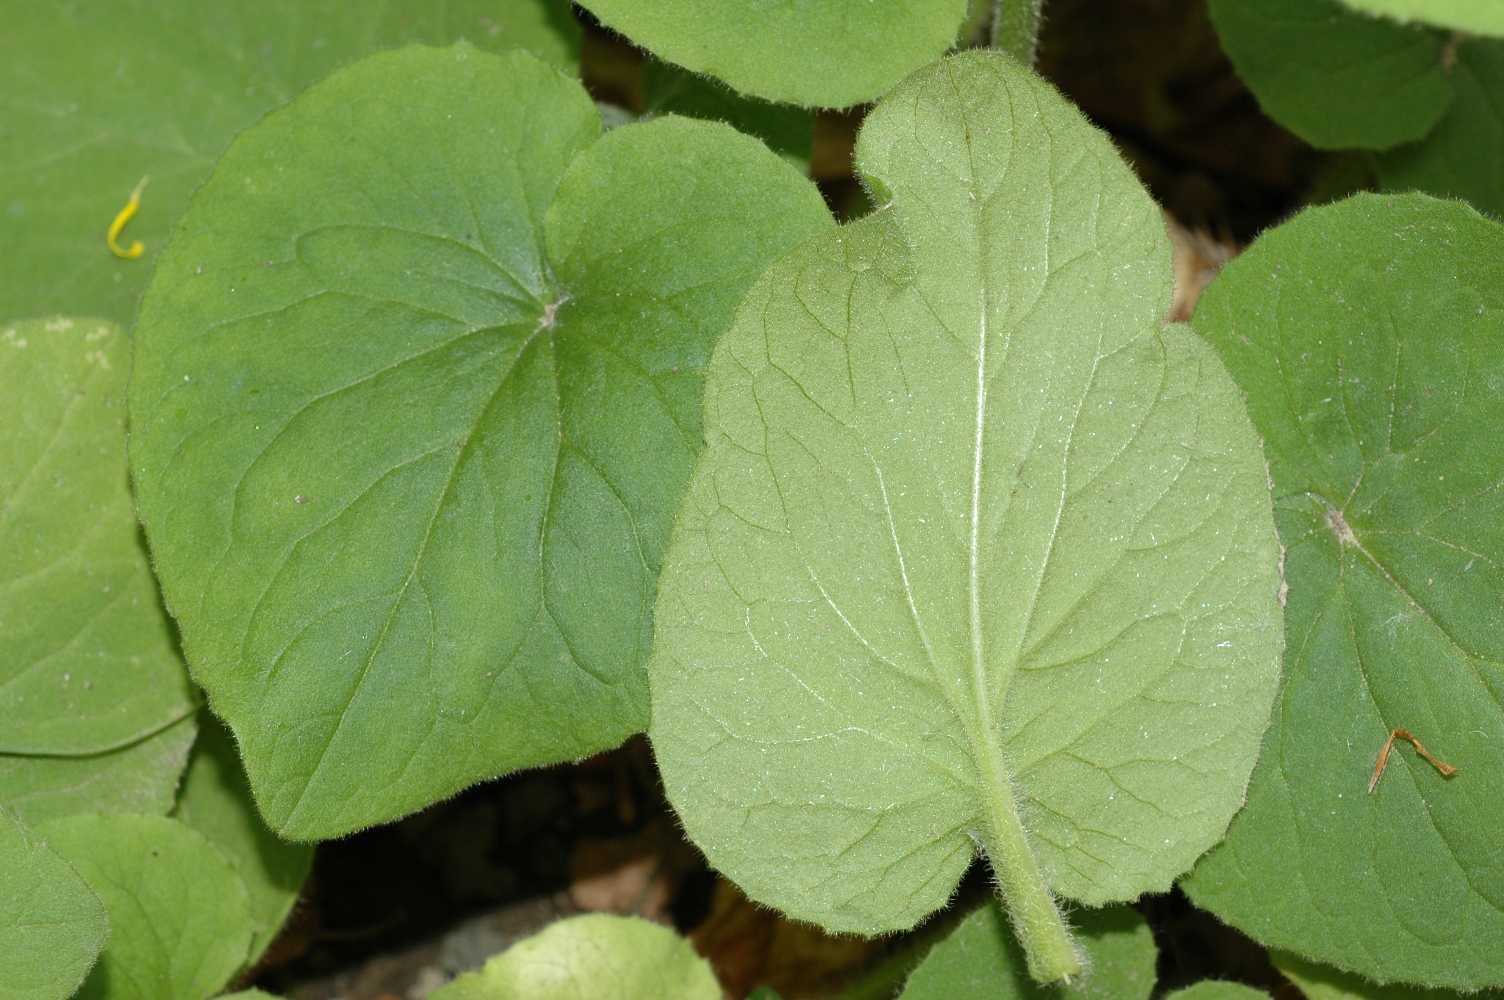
x: 980, y: 960
x: 51, y: 926
x: 179, y: 920
x: 1483, y: 17
x: 141, y: 778
x: 216, y: 801
x: 95, y: 96
x: 1217, y: 989
x: 1369, y: 339
x: 597, y: 955
x: 824, y: 53
x: 87, y: 658
x: 1336, y: 78
x: 1322, y: 982
x: 978, y: 552
x: 1464, y: 156
x: 408, y: 461
x: 789, y: 132
x: 250, y: 995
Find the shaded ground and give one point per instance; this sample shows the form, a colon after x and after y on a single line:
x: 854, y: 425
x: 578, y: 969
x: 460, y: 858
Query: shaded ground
x: 396, y: 911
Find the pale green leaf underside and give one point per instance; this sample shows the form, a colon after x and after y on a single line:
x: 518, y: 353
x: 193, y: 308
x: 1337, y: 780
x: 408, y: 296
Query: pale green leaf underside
x: 95, y: 96
x: 597, y: 956
x: 1369, y: 338
x: 1482, y: 17
x: 1218, y: 989
x: 179, y: 921
x: 51, y: 926
x: 216, y: 801
x: 980, y: 960
x: 87, y: 658
x: 967, y: 512
x: 1463, y: 157
x: 407, y: 450
x: 823, y: 53
x: 141, y: 778
x: 1334, y: 77
x: 1322, y: 982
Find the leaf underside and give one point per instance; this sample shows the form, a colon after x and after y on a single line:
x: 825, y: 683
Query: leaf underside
x: 96, y: 96
x: 968, y: 516
x: 1369, y: 338
x: 416, y: 393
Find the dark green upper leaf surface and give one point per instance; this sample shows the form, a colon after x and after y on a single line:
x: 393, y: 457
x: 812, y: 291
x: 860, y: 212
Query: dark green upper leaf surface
x: 1335, y: 77
x: 980, y: 960
x: 1463, y: 157
x: 1322, y: 982
x: 52, y: 926
x: 406, y: 451
x: 179, y: 921
x: 973, y: 534
x: 1369, y: 338
x: 94, y: 96
x: 822, y: 53
x: 140, y: 778
x: 87, y: 658
x: 216, y: 801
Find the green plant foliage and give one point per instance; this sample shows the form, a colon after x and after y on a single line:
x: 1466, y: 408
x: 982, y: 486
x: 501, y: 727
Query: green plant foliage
x: 51, y: 926
x: 250, y: 995
x: 980, y: 960
x: 87, y: 658
x: 597, y: 955
x: 1217, y: 989
x: 216, y: 801
x: 94, y: 96
x: 1369, y: 339
x: 179, y: 919
x: 410, y: 427
x: 141, y: 778
x: 1464, y: 156
x: 1334, y: 77
x: 978, y: 551
x: 824, y: 53
x: 787, y: 131
x: 1483, y: 17
x: 1322, y: 982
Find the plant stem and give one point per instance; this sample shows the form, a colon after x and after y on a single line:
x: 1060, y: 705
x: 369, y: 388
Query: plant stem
x: 1031, y: 910
x: 1015, y: 29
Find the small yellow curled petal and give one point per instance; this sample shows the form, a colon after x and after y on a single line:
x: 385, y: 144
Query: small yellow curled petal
x: 137, y: 248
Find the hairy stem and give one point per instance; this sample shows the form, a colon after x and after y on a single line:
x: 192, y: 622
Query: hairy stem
x: 1031, y: 910
x: 1015, y: 29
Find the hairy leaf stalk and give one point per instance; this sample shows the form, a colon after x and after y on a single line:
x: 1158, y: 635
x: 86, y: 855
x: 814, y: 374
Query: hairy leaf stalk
x: 1015, y: 29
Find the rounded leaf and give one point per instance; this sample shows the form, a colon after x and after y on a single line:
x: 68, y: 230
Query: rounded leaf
x: 87, y: 658
x: 1483, y: 17
x: 823, y: 53
x: 1369, y: 339
x: 597, y: 955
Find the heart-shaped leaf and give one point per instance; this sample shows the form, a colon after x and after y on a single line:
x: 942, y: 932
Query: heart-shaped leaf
x: 87, y: 658
x: 413, y: 407
x: 825, y: 53
x: 179, y: 920
x: 978, y: 551
x: 97, y: 95
x: 52, y: 926
x: 979, y: 960
x: 1369, y: 338
x: 141, y: 778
